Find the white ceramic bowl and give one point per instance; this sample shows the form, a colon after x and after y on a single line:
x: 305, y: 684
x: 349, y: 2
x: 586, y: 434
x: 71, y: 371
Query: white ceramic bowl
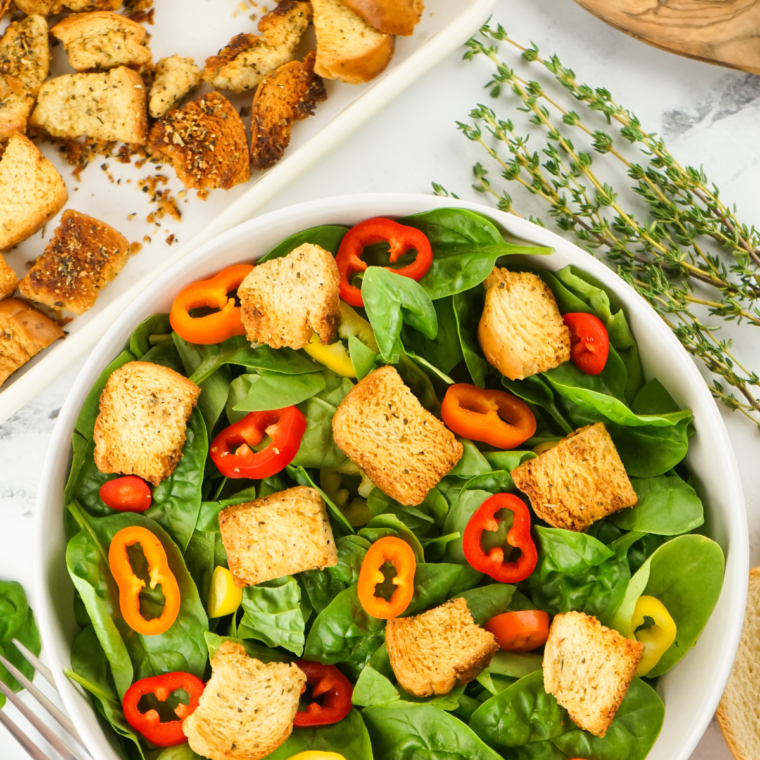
x: 691, y: 691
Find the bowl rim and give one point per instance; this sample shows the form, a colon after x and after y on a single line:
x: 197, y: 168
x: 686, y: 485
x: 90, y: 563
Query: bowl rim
x: 49, y: 498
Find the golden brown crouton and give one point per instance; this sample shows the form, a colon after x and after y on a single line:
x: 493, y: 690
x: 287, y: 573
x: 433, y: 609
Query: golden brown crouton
x: 387, y: 433
x: 8, y: 279
x: 175, y: 78
x: 102, y: 40
x: 588, y: 668
x: 141, y: 427
x: 53, y: 7
x: 16, y: 103
x: 81, y: 259
x: 105, y: 106
x: 24, y: 332
x: 32, y: 192
x: 25, y: 53
x: 281, y: 534
x: 249, y: 58
x: 578, y: 481
x: 285, y: 301
x: 247, y: 708
x: 390, y: 16
x: 289, y: 94
x: 4, y: 7
x: 521, y: 331
x: 433, y: 652
x: 205, y: 142
x: 348, y: 48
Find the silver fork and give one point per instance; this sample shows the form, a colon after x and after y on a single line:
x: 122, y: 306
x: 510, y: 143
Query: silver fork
x: 63, y: 749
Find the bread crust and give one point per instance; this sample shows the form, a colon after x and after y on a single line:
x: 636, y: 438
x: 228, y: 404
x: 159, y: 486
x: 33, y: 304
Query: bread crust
x: 397, y: 17
x: 8, y: 279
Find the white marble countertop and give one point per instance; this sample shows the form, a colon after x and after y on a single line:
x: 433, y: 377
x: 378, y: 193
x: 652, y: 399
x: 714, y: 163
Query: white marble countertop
x: 708, y: 116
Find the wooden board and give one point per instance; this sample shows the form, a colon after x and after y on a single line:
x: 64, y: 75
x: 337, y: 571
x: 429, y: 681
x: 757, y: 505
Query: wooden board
x: 724, y: 32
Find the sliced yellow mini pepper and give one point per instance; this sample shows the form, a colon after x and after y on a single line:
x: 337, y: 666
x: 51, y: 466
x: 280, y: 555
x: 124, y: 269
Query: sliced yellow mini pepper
x: 224, y: 596
x: 317, y: 755
x: 352, y: 324
x: 544, y: 446
x: 659, y: 637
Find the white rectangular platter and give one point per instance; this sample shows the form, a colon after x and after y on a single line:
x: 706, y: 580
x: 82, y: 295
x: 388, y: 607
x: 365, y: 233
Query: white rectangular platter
x: 110, y: 191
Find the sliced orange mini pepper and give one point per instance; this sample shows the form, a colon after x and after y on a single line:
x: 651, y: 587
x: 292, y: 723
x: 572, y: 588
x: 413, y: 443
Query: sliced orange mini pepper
x: 398, y: 553
x: 493, y: 417
x: 213, y: 293
x: 130, y: 585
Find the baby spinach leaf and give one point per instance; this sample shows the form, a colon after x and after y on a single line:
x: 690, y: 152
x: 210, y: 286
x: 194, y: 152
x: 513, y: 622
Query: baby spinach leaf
x: 472, y: 462
x: 392, y: 522
x: 468, y: 308
x: 259, y: 652
x: 487, y: 601
x: 374, y: 688
x: 445, y: 351
x: 508, y: 460
x: 180, y: 752
x: 418, y: 519
x: 537, y: 390
x: 328, y: 236
x: 166, y: 355
x: 654, y: 398
x: 437, y: 582
x: 16, y: 622
x: 149, y: 333
x: 516, y: 664
x: 271, y: 390
x: 364, y: 359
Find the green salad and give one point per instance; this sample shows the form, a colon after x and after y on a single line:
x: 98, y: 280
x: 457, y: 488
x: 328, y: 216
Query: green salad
x: 428, y: 329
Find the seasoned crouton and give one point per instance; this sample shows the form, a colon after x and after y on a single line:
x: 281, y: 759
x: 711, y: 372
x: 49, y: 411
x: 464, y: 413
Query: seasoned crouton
x: 383, y: 429
x: 390, y: 16
x: 205, y: 142
x: 53, y: 7
x: 16, y: 103
x: 285, y: 301
x: 284, y: 533
x: 141, y: 427
x: 32, y: 192
x: 433, y: 652
x: 348, y: 48
x: 588, y: 668
x: 25, y: 53
x: 248, y: 58
x: 247, y: 708
x: 175, y: 78
x: 578, y: 481
x: 8, y: 279
x: 24, y: 332
x: 102, y: 40
x: 521, y: 331
x: 4, y: 7
x: 289, y: 94
x: 81, y: 259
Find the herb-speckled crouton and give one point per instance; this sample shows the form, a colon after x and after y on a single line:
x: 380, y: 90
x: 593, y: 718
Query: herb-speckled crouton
x: 8, y: 279
x: 175, y: 78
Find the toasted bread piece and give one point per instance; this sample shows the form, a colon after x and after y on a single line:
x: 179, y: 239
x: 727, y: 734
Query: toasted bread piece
x: 439, y: 649
x: 286, y: 301
x: 348, y: 48
x: 4, y: 7
x: 141, y: 427
x: 24, y: 332
x: 81, y: 259
x: 578, y: 481
x: 247, y: 709
x: 205, y: 142
x: 32, y: 192
x: 588, y: 668
x: 105, y: 106
x: 737, y: 711
x: 248, y: 58
x: 8, y: 279
x: 16, y: 103
x: 390, y: 16
x: 521, y: 331
x: 53, y: 7
x: 384, y: 430
x: 102, y: 40
x: 175, y: 78
x: 284, y: 533
x: 289, y: 94
x: 25, y: 52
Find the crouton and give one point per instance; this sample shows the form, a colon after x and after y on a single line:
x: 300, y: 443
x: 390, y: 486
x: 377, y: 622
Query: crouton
x: 439, y: 649
x: 8, y: 279
x: 248, y: 58
x: 25, y: 52
x: 53, y: 7
x: 348, y: 48
x: 105, y: 106
x: 281, y: 534
x: 247, y: 708
x: 141, y: 427
x: 24, y: 332
x: 383, y: 429
x: 390, y: 16
x: 4, y: 7
x: 175, y: 78
x: 16, y: 103
x: 285, y: 301
x: 102, y: 40
x: 578, y: 481
x: 81, y: 259
x: 588, y: 668
x: 289, y: 94
x: 521, y: 331
x: 32, y: 192
x: 205, y: 142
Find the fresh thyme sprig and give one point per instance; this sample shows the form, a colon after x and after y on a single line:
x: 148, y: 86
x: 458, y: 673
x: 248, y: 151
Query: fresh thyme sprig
x: 687, y: 255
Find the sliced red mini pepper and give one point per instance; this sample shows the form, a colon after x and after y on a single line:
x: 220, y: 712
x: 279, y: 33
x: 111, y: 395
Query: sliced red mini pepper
x: 400, y: 238
x: 589, y: 342
x: 213, y: 293
x: 396, y: 552
x: 232, y: 450
x: 127, y: 494
x: 148, y: 723
x: 493, y: 417
x: 518, y: 536
x: 325, y: 680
